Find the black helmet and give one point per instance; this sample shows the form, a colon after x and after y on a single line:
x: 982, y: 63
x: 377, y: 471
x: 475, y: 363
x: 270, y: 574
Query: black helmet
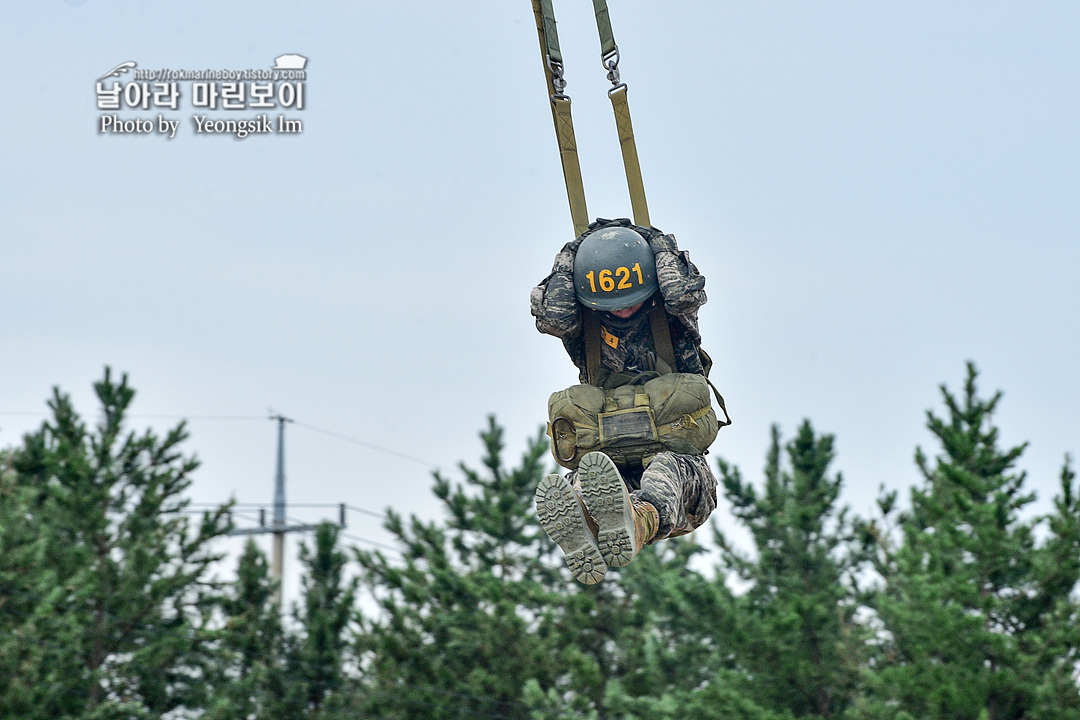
x: 614, y: 269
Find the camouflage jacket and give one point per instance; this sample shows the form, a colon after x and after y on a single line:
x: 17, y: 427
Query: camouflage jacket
x: 555, y: 306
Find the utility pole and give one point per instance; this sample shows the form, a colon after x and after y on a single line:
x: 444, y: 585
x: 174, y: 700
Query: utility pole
x: 278, y: 525
x: 277, y: 566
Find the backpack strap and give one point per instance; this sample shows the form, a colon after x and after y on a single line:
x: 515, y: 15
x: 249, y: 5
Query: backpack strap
x: 723, y: 406
x: 666, y: 352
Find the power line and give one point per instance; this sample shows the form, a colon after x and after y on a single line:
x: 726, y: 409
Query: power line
x: 139, y: 416
x: 366, y: 512
x: 364, y: 443
x: 313, y: 428
x: 354, y: 508
x: 350, y: 536
x: 197, y: 417
x: 384, y: 546
x: 301, y: 526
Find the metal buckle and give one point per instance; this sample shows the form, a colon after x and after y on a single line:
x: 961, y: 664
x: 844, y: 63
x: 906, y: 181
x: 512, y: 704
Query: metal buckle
x: 611, y: 64
x: 557, y: 79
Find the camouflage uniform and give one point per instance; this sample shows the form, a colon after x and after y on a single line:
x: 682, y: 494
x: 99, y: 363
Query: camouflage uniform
x: 557, y: 311
x: 682, y: 488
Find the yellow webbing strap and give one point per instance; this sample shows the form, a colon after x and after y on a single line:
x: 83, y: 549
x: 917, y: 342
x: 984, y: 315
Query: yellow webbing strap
x: 609, y: 57
x: 575, y: 187
x: 560, y: 113
x: 634, y: 182
x: 685, y: 421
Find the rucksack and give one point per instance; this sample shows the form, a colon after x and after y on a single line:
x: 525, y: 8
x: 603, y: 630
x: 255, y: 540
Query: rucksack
x: 631, y: 423
x: 640, y: 416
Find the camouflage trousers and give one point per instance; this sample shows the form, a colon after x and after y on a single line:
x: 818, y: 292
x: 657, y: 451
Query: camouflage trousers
x: 682, y: 488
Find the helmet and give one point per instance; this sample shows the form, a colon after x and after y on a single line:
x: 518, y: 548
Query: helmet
x: 614, y: 268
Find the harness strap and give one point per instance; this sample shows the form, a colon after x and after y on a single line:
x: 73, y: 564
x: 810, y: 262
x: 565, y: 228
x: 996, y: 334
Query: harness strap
x: 549, y: 36
x: 591, y: 326
x: 631, y: 165
x: 609, y: 56
x: 661, y: 336
x: 560, y: 114
x: 603, y: 26
x: 575, y: 186
x: 661, y: 342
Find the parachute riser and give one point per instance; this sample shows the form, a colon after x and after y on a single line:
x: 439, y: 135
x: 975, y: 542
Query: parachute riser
x: 561, y: 115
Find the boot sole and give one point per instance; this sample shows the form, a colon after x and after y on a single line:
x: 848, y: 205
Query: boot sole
x: 608, y: 502
x: 563, y: 519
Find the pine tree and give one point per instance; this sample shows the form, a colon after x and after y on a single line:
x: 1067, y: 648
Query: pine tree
x: 318, y: 656
x: 27, y: 584
x: 794, y: 643
x: 269, y: 672
x: 481, y: 618
x: 458, y: 630
x: 673, y: 629
x: 108, y: 614
x: 977, y: 617
x: 1054, y: 653
x: 250, y: 679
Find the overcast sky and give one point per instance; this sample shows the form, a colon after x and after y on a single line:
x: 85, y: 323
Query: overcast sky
x: 876, y: 193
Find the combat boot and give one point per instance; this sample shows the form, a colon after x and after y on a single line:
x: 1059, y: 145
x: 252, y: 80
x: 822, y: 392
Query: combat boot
x: 566, y: 521
x: 624, y: 524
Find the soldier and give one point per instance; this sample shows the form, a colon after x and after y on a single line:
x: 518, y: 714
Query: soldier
x: 627, y: 278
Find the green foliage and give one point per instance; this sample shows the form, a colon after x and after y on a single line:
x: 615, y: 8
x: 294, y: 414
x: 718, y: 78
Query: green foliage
x: 458, y: 629
x: 318, y: 654
x: 266, y: 672
x: 977, y: 617
x: 107, y: 596
x: 481, y: 619
x: 250, y: 678
x: 108, y: 608
x: 794, y: 635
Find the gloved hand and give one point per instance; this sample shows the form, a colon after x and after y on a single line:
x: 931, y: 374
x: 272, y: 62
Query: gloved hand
x: 663, y: 243
x: 564, y: 261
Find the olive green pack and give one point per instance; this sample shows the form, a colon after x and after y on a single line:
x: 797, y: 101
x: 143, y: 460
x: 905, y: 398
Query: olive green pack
x: 631, y: 423
x: 631, y: 418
